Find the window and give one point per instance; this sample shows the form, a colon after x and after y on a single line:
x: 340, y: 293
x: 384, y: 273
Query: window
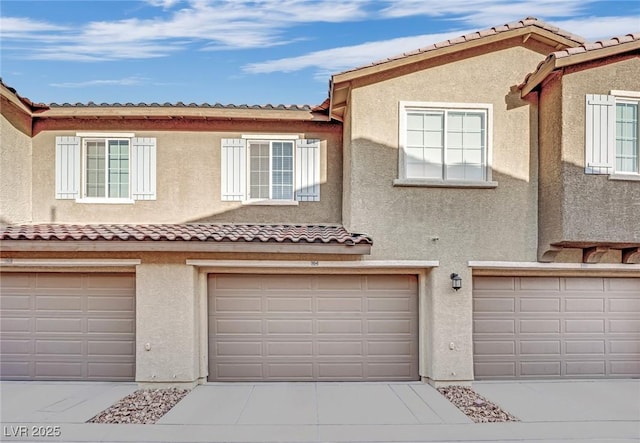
x: 611, y: 135
x: 444, y: 144
x: 105, y: 168
x: 264, y: 169
x: 627, y: 137
x: 271, y: 170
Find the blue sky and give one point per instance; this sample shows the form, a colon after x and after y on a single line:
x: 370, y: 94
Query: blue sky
x: 236, y: 51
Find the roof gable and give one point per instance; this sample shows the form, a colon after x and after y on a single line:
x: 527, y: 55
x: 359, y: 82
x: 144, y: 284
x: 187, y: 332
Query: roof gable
x: 529, y: 27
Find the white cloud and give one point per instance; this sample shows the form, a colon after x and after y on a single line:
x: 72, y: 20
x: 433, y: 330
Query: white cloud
x: 25, y: 28
x: 165, y: 4
x: 238, y: 24
x: 221, y: 24
x: 485, y: 12
x: 128, y: 81
x: 598, y: 28
x: 488, y: 13
x: 345, y: 57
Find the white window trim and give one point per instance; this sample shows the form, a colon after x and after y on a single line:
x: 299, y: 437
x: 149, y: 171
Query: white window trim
x: 402, y: 179
x: 269, y: 201
x: 627, y: 94
x: 270, y: 137
x: 105, y: 200
x: 106, y: 134
x: 632, y: 97
x: 85, y: 136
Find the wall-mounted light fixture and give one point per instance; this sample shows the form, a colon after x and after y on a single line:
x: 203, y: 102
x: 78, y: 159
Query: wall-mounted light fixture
x: 456, y: 281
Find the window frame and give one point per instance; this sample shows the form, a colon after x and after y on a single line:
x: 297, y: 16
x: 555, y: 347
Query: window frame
x: 105, y: 137
x: 405, y: 107
x: 270, y: 139
x: 627, y: 97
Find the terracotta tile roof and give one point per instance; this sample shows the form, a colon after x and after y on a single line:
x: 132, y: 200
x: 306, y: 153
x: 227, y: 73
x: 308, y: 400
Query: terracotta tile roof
x: 528, y: 21
x: 623, y: 43
x: 28, y: 103
x: 615, y: 41
x: 187, y: 232
x: 267, y: 107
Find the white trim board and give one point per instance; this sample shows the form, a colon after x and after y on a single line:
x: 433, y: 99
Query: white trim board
x: 538, y: 266
x: 67, y: 263
x: 315, y: 264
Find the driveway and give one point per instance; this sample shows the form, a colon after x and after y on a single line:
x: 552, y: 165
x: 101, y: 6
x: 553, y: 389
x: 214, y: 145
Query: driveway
x: 321, y: 412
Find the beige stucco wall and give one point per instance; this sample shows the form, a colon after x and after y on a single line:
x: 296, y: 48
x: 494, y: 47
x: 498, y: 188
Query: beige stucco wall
x: 167, y: 324
x: 551, y: 190
x: 15, y: 174
x: 188, y: 185
x: 594, y: 208
x: 451, y: 225
x: 469, y: 223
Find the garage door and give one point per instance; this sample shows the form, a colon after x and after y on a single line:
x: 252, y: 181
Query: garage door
x: 67, y: 326
x: 538, y: 327
x: 321, y: 327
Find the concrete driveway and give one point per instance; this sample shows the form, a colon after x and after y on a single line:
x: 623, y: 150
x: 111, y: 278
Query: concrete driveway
x: 323, y: 412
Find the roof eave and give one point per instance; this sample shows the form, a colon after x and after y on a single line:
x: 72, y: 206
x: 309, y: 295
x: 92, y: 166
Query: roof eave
x: 15, y: 99
x: 553, y: 63
x: 183, y: 246
x: 178, y: 112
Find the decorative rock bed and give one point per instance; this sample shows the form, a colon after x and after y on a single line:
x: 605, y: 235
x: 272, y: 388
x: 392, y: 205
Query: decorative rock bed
x: 141, y: 407
x: 474, y: 406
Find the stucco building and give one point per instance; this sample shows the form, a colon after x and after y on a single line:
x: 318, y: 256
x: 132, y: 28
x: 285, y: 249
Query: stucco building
x: 175, y: 244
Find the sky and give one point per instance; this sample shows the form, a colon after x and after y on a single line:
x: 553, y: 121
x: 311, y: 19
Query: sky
x: 245, y: 52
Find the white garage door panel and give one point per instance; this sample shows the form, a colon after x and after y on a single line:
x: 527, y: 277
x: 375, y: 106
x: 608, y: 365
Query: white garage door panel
x: 67, y: 326
x: 550, y: 327
x: 322, y: 327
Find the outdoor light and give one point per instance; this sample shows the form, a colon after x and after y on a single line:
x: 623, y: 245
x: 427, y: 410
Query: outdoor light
x: 456, y: 281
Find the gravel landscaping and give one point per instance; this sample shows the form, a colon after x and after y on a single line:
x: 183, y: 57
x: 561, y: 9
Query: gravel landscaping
x: 141, y: 407
x: 474, y: 406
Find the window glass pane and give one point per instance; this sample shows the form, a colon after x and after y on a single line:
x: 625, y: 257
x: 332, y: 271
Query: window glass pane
x: 259, y: 170
x: 415, y: 121
x: 282, y: 173
x: 414, y: 155
x: 473, y: 172
x: 433, y: 139
x: 473, y: 122
x: 473, y: 156
x: 455, y: 172
x: 473, y: 140
x: 465, y: 145
x: 424, y: 141
x: 118, y: 178
x: 434, y: 121
x: 454, y: 121
x: 415, y: 138
x: 454, y: 140
x: 627, y: 137
x: 454, y: 156
x: 95, y: 173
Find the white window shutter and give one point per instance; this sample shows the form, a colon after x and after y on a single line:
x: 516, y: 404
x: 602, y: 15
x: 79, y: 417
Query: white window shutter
x: 143, y: 168
x: 67, y: 167
x: 600, y: 127
x: 233, y: 169
x: 308, y: 170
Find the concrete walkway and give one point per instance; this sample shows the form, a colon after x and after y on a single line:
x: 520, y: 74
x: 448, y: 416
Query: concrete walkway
x: 570, y: 411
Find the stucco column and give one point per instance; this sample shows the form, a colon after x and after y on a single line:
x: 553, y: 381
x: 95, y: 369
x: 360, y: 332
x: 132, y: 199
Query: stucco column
x: 167, y: 325
x: 448, y: 354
